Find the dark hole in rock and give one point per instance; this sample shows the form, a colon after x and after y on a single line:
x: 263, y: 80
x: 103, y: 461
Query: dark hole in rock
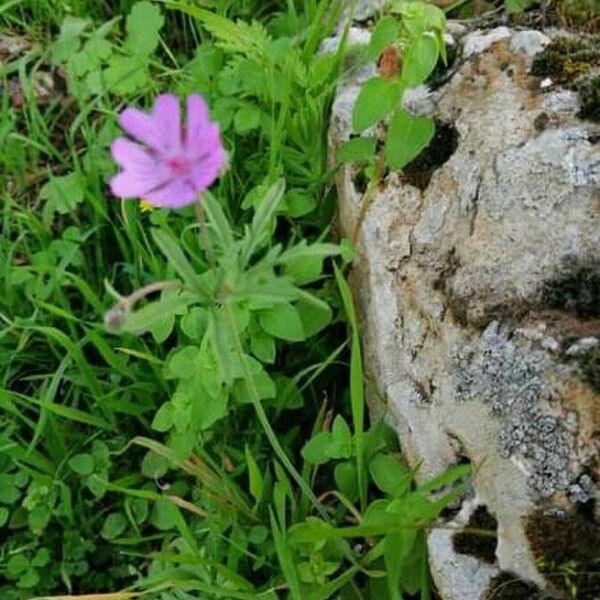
x: 508, y: 586
x: 565, y: 545
x: 541, y: 121
x: 418, y: 173
x: 576, y: 291
x: 361, y: 181
x: 475, y: 542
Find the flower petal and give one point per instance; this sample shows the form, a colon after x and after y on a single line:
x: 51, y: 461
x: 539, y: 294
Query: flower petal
x: 207, y: 170
x: 175, y: 194
x: 127, y: 153
x: 142, y: 172
x: 197, y: 119
x: 167, y: 116
x: 142, y: 127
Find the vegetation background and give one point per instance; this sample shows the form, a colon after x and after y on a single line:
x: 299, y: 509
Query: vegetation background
x: 215, y: 443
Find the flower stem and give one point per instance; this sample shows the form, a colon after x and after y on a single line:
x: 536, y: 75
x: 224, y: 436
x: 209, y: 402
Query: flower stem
x: 115, y: 316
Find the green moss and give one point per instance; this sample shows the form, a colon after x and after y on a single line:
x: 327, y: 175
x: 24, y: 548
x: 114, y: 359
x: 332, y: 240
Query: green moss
x: 589, y: 97
x: 565, y: 545
x: 566, y: 59
x: 508, y: 586
x: 475, y: 544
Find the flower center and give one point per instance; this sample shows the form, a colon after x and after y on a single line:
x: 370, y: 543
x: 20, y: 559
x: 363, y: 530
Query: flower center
x: 178, y: 166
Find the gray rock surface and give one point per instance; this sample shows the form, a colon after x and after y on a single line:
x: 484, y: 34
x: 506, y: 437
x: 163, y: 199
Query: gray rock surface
x: 479, y: 296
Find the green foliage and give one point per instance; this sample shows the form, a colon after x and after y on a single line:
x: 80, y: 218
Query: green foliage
x: 181, y: 449
x: 414, y: 30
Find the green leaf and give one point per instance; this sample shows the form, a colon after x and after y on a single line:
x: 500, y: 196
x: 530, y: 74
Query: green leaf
x: 255, y: 480
x: 451, y: 475
x: 246, y: 119
x: 419, y: 60
x: 4, y: 515
x: 151, y: 315
x: 164, y: 515
x: 377, y: 98
x: 393, y: 556
x: 183, y: 363
x: 38, y: 519
x: 260, y: 228
x: 29, y: 579
x: 389, y: 475
x: 282, y: 321
x: 195, y: 323
x: 213, y: 409
x: 61, y: 195
x: 359, y: 149
x: 83, y: 464
x: 163, y: 419
x: 263, y: 347
x: 90, y: 58
x: 385, y: 33
x: 68, y: 41
x: 143, y: 24
x: 418, y: 17
x: 299, y: 203
x: 407, y: 136
x: 341, y: 446
x: 9, y: 493
x: 346, y: 479
x: 175, y: 256
x: 263, y: 384
x: 286, y: 559
x: 127, y: 75
x: 41, y: 558
x: 315, y: 451
x: 139, y: 509
x: 314, y: 314
x: 154, y: 466
x: 304, y: 270
x: 16, y: 565
x: 114, y: 525
x: 517, y: 6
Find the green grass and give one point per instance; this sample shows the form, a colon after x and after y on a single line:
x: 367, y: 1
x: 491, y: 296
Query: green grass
x: 214, y: 445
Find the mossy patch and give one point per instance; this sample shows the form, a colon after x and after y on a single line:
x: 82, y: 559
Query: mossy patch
x: 576, y: 291
x: 565, y: 545
x: 474, y: 543
x: 589, y: 98
x: 578, y: 14
x: 573, y: 62
x: 566, y: 59
x: 508, y: 586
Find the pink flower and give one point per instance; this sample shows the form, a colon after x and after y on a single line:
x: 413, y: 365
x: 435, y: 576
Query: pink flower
x: 169, y: 164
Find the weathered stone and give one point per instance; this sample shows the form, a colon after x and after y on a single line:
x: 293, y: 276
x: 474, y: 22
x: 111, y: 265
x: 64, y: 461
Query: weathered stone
x: 480, y: 298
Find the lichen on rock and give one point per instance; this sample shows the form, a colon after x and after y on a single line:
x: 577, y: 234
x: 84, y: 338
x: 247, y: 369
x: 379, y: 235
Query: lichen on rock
x: 509, y: 375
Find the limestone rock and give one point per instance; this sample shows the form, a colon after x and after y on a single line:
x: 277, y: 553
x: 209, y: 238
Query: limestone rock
x: 479, y: 292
